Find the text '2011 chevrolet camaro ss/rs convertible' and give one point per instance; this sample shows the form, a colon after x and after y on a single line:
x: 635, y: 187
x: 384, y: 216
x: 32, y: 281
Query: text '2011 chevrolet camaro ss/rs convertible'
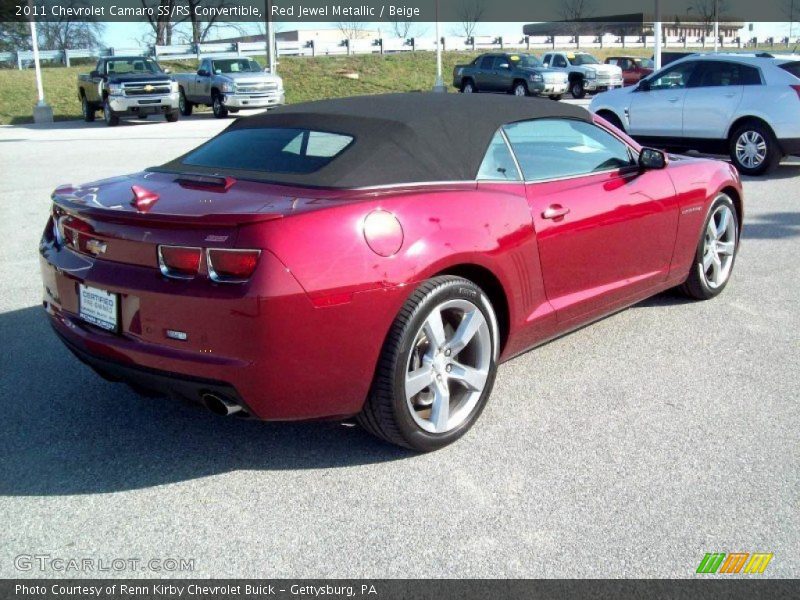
x: 377, y: 256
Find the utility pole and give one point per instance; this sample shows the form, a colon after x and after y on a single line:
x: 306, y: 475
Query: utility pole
x: 438, y: 84
x: 42, y: 113
x: 716, y: 25
x: 270, y: 38
x: 657, y: 36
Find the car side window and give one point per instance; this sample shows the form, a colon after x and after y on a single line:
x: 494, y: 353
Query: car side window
x: 486, y: 63
x: 554, y: 148
x: 498, y: 163
x: 501, y: 62
x: 721, y: 73
x: 559, y: 61
x: 546, y: 60
x: 674, y: 78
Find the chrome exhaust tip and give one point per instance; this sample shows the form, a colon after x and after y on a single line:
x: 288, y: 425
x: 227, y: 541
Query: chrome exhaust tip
x: 220, y: 405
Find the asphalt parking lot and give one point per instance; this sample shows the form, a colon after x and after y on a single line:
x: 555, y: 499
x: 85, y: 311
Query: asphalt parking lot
x: 629, y: 448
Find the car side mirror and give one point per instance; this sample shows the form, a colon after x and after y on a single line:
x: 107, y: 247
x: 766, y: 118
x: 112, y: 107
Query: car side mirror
x: 644, y: 86
x: 650, y: 158
x: 505, y: 66
x: 167, y: 71
x: 94, y: 74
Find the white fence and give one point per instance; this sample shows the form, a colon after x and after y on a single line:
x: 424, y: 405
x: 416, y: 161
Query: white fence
x: 24, y: 58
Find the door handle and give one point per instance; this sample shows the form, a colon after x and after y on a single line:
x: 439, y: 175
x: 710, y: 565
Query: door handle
x: 672, y: 99
x: 554, y: 211
x: 730, y: 95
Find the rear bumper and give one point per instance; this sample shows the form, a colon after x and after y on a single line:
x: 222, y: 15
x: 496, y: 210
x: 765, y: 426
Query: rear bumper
x: 155, y: 381
x: 264, y: 342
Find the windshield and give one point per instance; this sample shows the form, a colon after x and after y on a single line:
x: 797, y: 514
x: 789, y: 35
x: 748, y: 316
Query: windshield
x: 271, y: 150
x: 525, y: 61
x: 583, y: 59
x: 123, y: 66
x: 236, y: 65
x: 645, y: 62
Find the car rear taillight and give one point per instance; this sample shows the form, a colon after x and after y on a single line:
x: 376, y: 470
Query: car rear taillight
x: 796, y: 88
x: 231, y: 266
x: 181, y: 262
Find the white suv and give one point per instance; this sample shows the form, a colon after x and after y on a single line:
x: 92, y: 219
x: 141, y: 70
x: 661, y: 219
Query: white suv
x: 745, y: 105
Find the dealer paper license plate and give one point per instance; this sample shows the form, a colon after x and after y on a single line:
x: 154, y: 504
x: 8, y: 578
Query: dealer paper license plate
x: 98, y: 307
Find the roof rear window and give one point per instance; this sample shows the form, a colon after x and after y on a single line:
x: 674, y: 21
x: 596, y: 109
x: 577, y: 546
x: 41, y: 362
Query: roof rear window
x: 271, y: 150
x: 792, y: 67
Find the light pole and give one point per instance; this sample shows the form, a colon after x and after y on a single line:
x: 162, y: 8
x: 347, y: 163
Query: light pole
x: 657, y: 36
x: 42, y: 113
x: 438, y: 84
x: 716, y: 25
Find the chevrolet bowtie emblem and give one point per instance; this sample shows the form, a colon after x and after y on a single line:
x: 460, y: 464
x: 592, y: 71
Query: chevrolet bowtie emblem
x: 148, y: 88
x: 96, y: 247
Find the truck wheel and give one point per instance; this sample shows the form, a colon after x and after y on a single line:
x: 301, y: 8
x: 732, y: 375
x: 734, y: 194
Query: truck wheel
x: 468, y: 87
x: 520, y: 89
x: 172, y: 115
x: 109, y: 117
x: 87, y: 110
x: 184, y: 105
x: 577, y: 90
x: 218, y: 107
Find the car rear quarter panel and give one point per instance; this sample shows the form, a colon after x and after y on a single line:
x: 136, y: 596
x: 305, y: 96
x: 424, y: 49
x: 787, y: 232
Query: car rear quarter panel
x: 486, y: 225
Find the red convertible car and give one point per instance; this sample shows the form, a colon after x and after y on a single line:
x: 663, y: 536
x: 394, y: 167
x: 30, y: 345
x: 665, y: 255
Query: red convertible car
x: 377, y: 257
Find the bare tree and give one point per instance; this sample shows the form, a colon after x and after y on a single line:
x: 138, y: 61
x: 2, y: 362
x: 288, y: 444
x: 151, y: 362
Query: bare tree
x: 351, y: 30
x: 573, y: 12
x: 407, y: 29
x: 470, y: 12
x: 67, y: 34
x: 160, y: 21
x: 709, y: 11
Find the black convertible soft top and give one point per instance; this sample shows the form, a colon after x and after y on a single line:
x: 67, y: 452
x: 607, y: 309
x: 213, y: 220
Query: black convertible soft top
x: 398, y: 138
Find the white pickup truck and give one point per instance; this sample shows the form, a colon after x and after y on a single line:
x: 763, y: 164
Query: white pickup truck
x: 228, y: 85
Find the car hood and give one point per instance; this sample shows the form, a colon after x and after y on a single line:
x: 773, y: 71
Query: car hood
x: 617, y: 97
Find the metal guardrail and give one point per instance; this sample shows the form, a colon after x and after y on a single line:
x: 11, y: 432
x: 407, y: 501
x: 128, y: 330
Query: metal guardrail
x: 24, y: 58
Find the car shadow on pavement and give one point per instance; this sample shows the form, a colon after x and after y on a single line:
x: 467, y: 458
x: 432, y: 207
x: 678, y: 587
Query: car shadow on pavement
x: 772, y: 226
x: 67, y: 431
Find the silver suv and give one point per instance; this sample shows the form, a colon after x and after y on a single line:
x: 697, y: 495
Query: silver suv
x: 744, y: 105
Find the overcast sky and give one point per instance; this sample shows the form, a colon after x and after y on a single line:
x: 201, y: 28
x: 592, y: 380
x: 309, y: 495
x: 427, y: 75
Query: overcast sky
x: 122, y: 35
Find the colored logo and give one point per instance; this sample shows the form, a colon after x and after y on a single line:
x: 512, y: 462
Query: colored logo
x: 735, y: 562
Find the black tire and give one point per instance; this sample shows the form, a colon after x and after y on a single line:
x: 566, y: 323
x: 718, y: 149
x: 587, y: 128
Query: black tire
x: 520, y: 88
x: 87, y: 110
x: 386, y: 413
x: 696, y: 285
x: 555, y: 96
x: 468, y: 87
x: 109, y: 117
x: 612, y: 118
x: 233, y: 111
x: 184, y: 105
x: 217, y: 106
x: 758, y: 130
x: 576, y: 89
x: 172, y: 116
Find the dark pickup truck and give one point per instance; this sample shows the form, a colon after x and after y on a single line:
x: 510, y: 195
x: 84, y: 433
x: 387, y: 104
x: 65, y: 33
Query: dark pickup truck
x: 518, y: 74
x: 128, y: 86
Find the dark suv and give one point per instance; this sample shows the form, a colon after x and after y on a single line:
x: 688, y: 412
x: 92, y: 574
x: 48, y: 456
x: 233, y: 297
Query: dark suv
x: 518, y: 74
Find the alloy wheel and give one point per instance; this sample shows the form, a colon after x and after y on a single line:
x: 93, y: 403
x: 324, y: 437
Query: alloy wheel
x: 182, y: 103
x: 448, y: 366
x: 719, y: 247
x: 519, y: 90
x: 468, y: 88
x: 751, y: 149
